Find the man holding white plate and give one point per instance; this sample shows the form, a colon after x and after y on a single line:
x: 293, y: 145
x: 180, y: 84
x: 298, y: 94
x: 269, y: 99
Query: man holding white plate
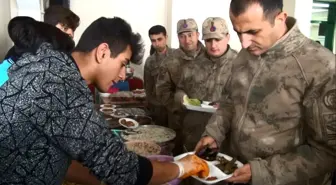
x: 281, y: 110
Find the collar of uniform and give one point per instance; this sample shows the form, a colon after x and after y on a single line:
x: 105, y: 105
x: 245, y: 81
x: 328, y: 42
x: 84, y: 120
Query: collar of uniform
x: 167, y: 53
x: 291, y: 41
x: 191, y: 55
x: 157, y: 57
x: 228, y: 55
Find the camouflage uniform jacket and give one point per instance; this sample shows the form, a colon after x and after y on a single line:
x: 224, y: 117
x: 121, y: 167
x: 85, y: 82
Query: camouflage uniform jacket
x: 170, y: 72
x: 151, y: 72
x: 281, y: 112
x: 206, y: 79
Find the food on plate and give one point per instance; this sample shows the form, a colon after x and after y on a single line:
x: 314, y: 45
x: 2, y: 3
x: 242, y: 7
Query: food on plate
x: 127, y: 123
x: 123, y: 121
x: 118, y: 113
x: 118, y: 99
x: 107, y: 111
x: 211, y: 178
x: 138, y: 91
x: 214, y: 104
x: 143, y: 148
x: 153, y: 133
x: 208, y: 154
x: 195, y: 102
x: 226, y: 166
x: 107, y: 106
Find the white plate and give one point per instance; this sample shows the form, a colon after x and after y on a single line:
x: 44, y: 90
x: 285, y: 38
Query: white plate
x: 107, y: 106
x: 122, y: 115
x: 200, y: 108
x: 214, y: 171
x: 105, y: 95
x: 107, y: 110
x: 206, y: 104
x: 238, y: 163
x: 136, y: 124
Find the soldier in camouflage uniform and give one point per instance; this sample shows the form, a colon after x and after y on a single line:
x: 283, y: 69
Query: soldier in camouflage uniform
x: 206, y: 78
x: 158, y: 37
x: 191, y: 50
x: 281, y: 105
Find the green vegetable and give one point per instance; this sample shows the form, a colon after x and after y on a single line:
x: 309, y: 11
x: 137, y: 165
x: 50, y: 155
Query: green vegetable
x: 226, y: 166
x: 194, y: 102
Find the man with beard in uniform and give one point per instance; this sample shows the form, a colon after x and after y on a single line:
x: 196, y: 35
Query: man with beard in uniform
x: 158, y: 36
x: 190, y: 51
x: 205, y: 79
x: 281, y: 108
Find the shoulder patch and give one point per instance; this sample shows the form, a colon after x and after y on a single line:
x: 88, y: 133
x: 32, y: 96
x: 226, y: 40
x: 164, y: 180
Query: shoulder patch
x: 329, y: 99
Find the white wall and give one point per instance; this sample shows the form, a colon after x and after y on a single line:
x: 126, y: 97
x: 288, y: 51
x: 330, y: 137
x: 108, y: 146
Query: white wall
x: 302, y: 11
x: 146, y: 13
x: 30, y: 8
x: 140, y: 14
x: 5, y: 16
x: 13, y: 8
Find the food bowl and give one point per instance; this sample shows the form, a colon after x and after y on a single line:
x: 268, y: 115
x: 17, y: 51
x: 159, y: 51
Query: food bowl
x: 108, y: 106
x: 142, y: 120
x: 154, y: 133
x: 119, y: 114
x: 107, y: 111
x: 143, y: 148
x: 128, y: 123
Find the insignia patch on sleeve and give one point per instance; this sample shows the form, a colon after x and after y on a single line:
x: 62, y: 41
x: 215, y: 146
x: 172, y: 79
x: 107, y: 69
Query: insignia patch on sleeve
x: 329, y: 99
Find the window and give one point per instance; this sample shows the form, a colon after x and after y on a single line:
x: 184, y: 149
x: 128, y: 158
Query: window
x: 323, y: 23
x: 29, y: 8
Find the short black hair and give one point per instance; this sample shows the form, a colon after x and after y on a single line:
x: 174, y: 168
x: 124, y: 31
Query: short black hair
x: 270, y: 7
x: 28, y: 34
x: 57, y: 14
x: 157, y: 29
x: 117, y: 33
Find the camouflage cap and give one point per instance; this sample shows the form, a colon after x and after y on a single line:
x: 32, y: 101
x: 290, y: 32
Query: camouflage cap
x: 214, y: 28
x: 186, y: 25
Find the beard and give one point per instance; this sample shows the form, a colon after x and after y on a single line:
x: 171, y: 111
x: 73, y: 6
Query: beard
x: 160, y: 49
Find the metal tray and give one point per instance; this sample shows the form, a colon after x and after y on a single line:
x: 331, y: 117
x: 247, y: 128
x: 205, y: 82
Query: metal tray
x: 146, y: 132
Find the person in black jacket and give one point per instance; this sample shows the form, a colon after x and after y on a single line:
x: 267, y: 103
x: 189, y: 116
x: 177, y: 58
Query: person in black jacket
x: 58, y: 16
x: 48, y: 116
x: 27, y: 35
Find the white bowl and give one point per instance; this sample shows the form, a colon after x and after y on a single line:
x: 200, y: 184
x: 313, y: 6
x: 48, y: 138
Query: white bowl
x: 136, y: 124
x: 107, y: 111
x: 107, y: 106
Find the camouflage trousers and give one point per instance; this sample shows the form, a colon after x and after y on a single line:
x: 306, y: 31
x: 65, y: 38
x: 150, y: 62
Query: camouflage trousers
x: 193, y: 127
x: 175, y: 123
x: 159, y: 114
